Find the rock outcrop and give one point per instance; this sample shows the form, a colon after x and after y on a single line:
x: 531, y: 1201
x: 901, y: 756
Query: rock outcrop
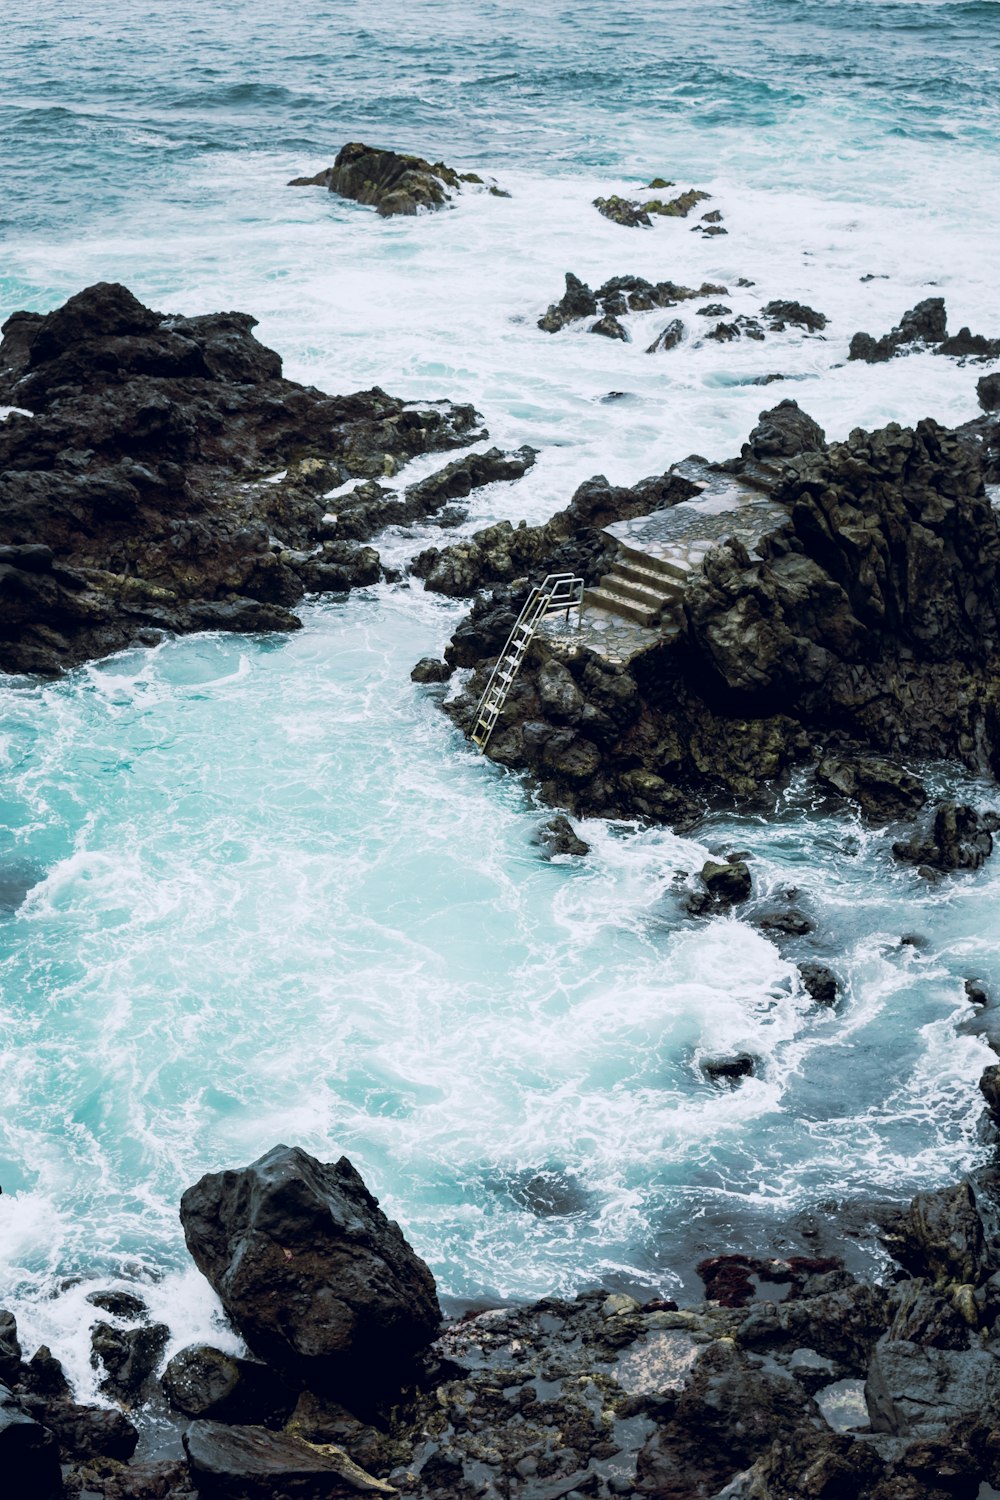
x: 923, y: 325
x: 869, y: 615
x: 390, y: 181
x: 134, y: 500
x: 618, y: 295
x: 312, y: 1273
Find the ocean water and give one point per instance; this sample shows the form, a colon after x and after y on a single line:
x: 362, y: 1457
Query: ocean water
x: 254, y: 891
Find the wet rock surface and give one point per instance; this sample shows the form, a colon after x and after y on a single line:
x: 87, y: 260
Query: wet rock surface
x: 134, y: 500
x: 390, y: 181
x: 741, y: 1395
x: 309, y: 1269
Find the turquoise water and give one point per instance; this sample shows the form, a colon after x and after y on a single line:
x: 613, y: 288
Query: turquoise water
x: 260, y: 891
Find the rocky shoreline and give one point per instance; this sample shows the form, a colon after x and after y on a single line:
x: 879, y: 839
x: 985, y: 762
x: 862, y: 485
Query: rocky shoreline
x: 792, y: 1380
x: 160, y: 475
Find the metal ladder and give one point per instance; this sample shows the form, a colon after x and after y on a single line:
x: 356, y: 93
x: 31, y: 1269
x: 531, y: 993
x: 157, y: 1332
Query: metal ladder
x: 559, y: 591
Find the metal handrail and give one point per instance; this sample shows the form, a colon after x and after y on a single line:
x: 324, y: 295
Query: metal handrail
x: 558, y: 591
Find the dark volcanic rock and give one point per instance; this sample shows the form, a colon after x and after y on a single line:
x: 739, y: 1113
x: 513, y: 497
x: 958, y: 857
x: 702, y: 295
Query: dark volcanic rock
x: 133, y: 499
x: 85, y: 1431
x: 10, y: 1348
x: 310, y: 1270
x: 251, y: 1463
x: 610, y: 328
x: 924, y: 324
x: 623, y: 211
x: 392, y: 182
x: 988, y: 391
x: 868, y: 617
x: 429, y: 669
x: 917, y: 1391
x: 557, y: 836
x: 820, y: 983
x: 119, y: 1304
x: 618, y: 295
x: 960, y: 838
x: 370, y: 506
x: 129, y: 1357
x: 43, y: 1375
x: 667, y: 338
x: 727, y: 882
x: 781, y: 313
x: 578, y: 301
x: 989, y: 1085
x: 883, y: 790
x: 204, y: 1382
x: 783, y: 432
x: 729, y: 1069
x: 571, y: 542
x: 967, y: 345
x: 679, y: 207
x: 950, y: 1233
x: 29, y: 1454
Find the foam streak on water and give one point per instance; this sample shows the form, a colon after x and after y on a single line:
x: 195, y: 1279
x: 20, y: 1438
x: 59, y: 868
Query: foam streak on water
x: 261, y: 890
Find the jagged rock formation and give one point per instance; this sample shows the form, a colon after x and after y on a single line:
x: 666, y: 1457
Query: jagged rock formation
x: 924, y: 326
x: 132, y: 500
x: 870, y: 615
x: 391, y: 182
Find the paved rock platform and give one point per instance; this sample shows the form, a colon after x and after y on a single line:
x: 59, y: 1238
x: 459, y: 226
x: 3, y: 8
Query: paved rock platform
x: 618, y: 621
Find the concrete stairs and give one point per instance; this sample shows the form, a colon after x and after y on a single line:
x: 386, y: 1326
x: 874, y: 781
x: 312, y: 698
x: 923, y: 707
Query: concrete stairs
x: 640, y: 588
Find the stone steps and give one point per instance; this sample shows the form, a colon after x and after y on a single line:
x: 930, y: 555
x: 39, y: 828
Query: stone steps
x: 618, y: 604
x: 639, y: 587
x: 630, y: 560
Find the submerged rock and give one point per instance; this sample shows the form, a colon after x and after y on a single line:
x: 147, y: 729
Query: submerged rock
x: 820, y: 983
x: 310, y: 1270
x: 390, y: 181
x: 729, y: 1069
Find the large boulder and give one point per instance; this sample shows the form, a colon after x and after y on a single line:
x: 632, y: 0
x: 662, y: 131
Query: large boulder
x: 310, y: 1270
x: 29, y: 1454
